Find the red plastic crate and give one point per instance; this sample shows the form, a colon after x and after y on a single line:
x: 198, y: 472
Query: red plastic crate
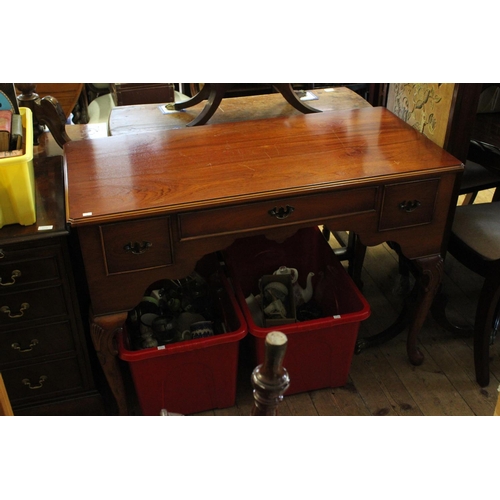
x: 189, y: 376
x: 319, y: 351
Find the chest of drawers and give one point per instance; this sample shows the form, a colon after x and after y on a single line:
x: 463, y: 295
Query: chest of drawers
x: 43, y: 353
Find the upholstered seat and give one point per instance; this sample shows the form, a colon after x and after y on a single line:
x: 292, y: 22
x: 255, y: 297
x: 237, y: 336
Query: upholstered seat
x: 478, y: 227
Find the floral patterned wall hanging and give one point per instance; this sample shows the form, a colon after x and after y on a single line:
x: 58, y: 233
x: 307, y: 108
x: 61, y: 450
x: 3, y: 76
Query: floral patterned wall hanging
x: 424, y: 106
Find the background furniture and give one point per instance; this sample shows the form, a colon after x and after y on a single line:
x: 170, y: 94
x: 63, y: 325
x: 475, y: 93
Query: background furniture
x: 47, y: 111
x: 477, y: 174
x: 475, y: 242
x: 66, y: 94
x: 127, y: 94
x: 149, y: 118
x: 213, y: 93
x: 43, y: 350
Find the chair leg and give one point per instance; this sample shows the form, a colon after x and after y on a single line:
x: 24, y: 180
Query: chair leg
x: 357, y: 259
x: 351, y: 250
x: 469, y: 198
x: 485, y: 315
x: 438, y: 310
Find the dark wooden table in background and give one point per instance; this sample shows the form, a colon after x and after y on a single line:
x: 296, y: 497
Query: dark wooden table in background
x: 148, y: 118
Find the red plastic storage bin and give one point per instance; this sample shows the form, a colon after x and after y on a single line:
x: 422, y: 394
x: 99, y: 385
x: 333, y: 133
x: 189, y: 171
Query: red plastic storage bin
x: 319, y: 351
x: 189, y: 376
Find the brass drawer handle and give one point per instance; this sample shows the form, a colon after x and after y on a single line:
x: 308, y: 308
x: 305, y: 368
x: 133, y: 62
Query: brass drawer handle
x: 137, y: 248
x: 409, y: 206
x: 281, y: 213
x: 17, y: 347
x: 6, y: 310
x: 41, y: 380
x: 15, y: 274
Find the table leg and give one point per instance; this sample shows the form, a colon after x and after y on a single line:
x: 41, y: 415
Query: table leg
x: 286, y: 90
x: 215, y: 96
x: 102, y: 331
x: 196, y: 99
x: 416, y: 306
x: 214, y: 93
x: 484, y: 325
x: 430, y: 271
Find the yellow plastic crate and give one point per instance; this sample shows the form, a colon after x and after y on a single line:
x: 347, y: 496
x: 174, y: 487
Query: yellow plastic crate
x: 17, y: 181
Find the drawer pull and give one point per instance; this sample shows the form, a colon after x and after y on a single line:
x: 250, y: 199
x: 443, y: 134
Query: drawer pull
x: 2, y: 255
x: 6, y: 310
x: 409, y: 206
x: 41, y: 380
x: 15, y: 274
x: 281, y: 213
x: 137, y: 248
x: 17, y: 347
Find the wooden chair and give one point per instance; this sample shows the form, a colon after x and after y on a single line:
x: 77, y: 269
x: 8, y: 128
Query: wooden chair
x: 67, y: 94
x: 47, y: 111
x: 475, y: 242
x: 5, y: 407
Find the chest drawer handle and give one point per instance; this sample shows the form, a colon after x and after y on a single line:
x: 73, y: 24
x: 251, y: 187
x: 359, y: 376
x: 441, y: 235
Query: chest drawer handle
x: 17, y: 347
x: 41, y: 380
x: 2, y: 255
x: 15, y: 274
x: 6, y: 310
x: 137, y: 248
x: 281, y: 213
x: 409, y: 206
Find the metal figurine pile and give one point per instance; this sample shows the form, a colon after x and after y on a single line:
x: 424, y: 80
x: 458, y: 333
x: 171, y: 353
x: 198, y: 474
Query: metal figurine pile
x: 176, y: 310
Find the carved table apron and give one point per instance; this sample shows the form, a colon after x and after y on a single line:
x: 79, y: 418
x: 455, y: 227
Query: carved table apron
x: 148, y: 206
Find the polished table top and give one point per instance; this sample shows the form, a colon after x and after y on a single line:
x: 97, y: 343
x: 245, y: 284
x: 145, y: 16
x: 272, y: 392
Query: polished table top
x: 139, y: 175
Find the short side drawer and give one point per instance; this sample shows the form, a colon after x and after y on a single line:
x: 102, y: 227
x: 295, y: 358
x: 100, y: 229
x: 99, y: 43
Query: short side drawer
x: 408, y: 204
x: 279, y: 212
x: 136, y: 245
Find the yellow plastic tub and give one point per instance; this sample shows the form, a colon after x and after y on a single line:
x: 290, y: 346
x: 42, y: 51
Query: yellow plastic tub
x: 17, y: 181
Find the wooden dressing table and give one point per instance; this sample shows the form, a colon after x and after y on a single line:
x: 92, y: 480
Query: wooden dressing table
x: 148, y: 206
